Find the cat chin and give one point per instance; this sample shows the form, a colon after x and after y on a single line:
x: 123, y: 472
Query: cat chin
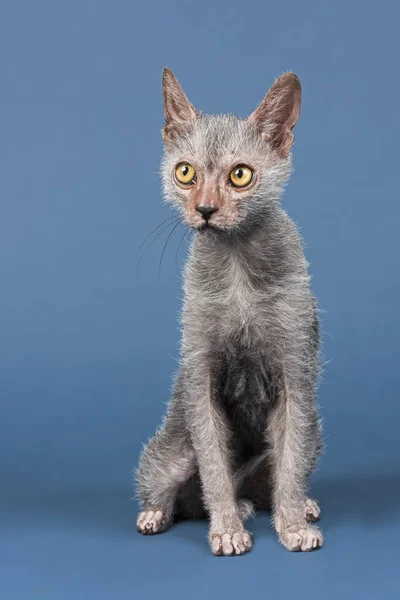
x: 208, y: 228
x: 214, y: 229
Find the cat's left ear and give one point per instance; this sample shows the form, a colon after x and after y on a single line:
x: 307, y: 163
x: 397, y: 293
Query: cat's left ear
x: 278, y: 113
x: 179, y: 113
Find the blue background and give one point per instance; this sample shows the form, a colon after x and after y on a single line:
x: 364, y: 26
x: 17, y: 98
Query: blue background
x: 89, y: 345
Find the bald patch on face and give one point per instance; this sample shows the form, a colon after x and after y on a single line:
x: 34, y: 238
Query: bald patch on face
x: 214, y: 146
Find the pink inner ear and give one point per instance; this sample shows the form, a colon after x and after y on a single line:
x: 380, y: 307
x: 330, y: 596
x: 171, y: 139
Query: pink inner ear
x: 278, y: 112
x: 282, y: 139
x: 177, y: 108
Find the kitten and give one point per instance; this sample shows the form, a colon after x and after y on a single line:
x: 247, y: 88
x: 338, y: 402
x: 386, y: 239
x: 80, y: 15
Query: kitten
x: 242, y: 430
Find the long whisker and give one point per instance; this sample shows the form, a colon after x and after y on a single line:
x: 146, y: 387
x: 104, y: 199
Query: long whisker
x: 165, y: 245
x: 179, y: 245
x: 154, y: 230
x: 153, y: 240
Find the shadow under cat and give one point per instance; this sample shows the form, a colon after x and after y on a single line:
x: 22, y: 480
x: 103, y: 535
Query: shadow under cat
x: 366, y: 498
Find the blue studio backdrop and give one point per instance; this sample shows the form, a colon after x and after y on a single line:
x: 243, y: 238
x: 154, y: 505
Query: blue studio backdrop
x: 88, y: 344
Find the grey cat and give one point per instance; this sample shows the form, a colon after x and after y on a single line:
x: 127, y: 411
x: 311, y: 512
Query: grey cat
x: 242, y: 430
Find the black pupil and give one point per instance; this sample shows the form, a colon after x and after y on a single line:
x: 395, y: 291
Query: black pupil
x: 185, y: 170
x: 239, y: 173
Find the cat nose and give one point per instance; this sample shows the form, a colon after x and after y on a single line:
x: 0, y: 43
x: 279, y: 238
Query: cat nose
x: 206, y: 211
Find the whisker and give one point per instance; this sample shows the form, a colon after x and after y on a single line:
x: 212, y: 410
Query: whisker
x: 153, y: 240
x: 154, y: 230
x: 165, y: 245
x: 179, y: 245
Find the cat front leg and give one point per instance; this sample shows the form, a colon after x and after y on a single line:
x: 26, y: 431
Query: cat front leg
x: 294, y: 437
x: 209, y: 434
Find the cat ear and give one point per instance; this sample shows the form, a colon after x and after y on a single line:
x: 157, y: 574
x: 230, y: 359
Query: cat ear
x: 278, y: 113
x: 178, y: 112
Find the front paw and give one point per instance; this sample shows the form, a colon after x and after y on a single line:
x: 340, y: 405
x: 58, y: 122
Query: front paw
x: 230, y: 544
x: 301, y: 538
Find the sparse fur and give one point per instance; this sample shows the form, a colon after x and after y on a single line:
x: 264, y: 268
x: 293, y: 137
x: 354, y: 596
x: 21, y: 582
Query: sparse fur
x: 242, y: 428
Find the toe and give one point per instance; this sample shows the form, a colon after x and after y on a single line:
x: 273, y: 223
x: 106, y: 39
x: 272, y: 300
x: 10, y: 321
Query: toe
x: 227, y: 547
x: 216, y: 545
x: 238, y: 543
x: 292, y: 541
x: 140, y: 519
x: 313, y: 511
x: 247, y: 541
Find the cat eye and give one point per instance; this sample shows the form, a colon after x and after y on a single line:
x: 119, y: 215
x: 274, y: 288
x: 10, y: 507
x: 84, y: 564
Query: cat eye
x: 185, y: 174
x: 240, y: 176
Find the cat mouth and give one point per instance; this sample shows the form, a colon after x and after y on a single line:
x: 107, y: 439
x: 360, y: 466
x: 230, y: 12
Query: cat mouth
x: 207, y: 226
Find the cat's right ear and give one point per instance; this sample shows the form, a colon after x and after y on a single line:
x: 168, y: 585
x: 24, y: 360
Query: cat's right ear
x: 179, y: 113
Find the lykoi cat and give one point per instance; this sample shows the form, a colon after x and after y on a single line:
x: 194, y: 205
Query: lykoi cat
x: 242, y: 430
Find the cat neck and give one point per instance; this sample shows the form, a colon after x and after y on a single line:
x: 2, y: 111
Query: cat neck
x: 244, y: 239
x: 267, y: 250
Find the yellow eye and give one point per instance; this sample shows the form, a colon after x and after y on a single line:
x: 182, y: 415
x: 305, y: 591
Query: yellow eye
x: 241, y: 176
x: 185, y: 173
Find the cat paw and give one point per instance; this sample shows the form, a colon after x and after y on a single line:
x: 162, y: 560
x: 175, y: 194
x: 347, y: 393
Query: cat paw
x: 150, y: 522
x: 313, y: 511
x: 230, y: 544
x: 302, y: 539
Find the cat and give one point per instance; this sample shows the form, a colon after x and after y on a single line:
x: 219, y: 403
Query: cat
x: 242, y: 430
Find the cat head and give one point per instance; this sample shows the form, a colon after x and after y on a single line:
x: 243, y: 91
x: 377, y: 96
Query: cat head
x: 222, y: 171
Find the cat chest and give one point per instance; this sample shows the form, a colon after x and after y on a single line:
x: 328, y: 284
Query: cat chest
x: 240, y: 305
x: 227, y: 306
